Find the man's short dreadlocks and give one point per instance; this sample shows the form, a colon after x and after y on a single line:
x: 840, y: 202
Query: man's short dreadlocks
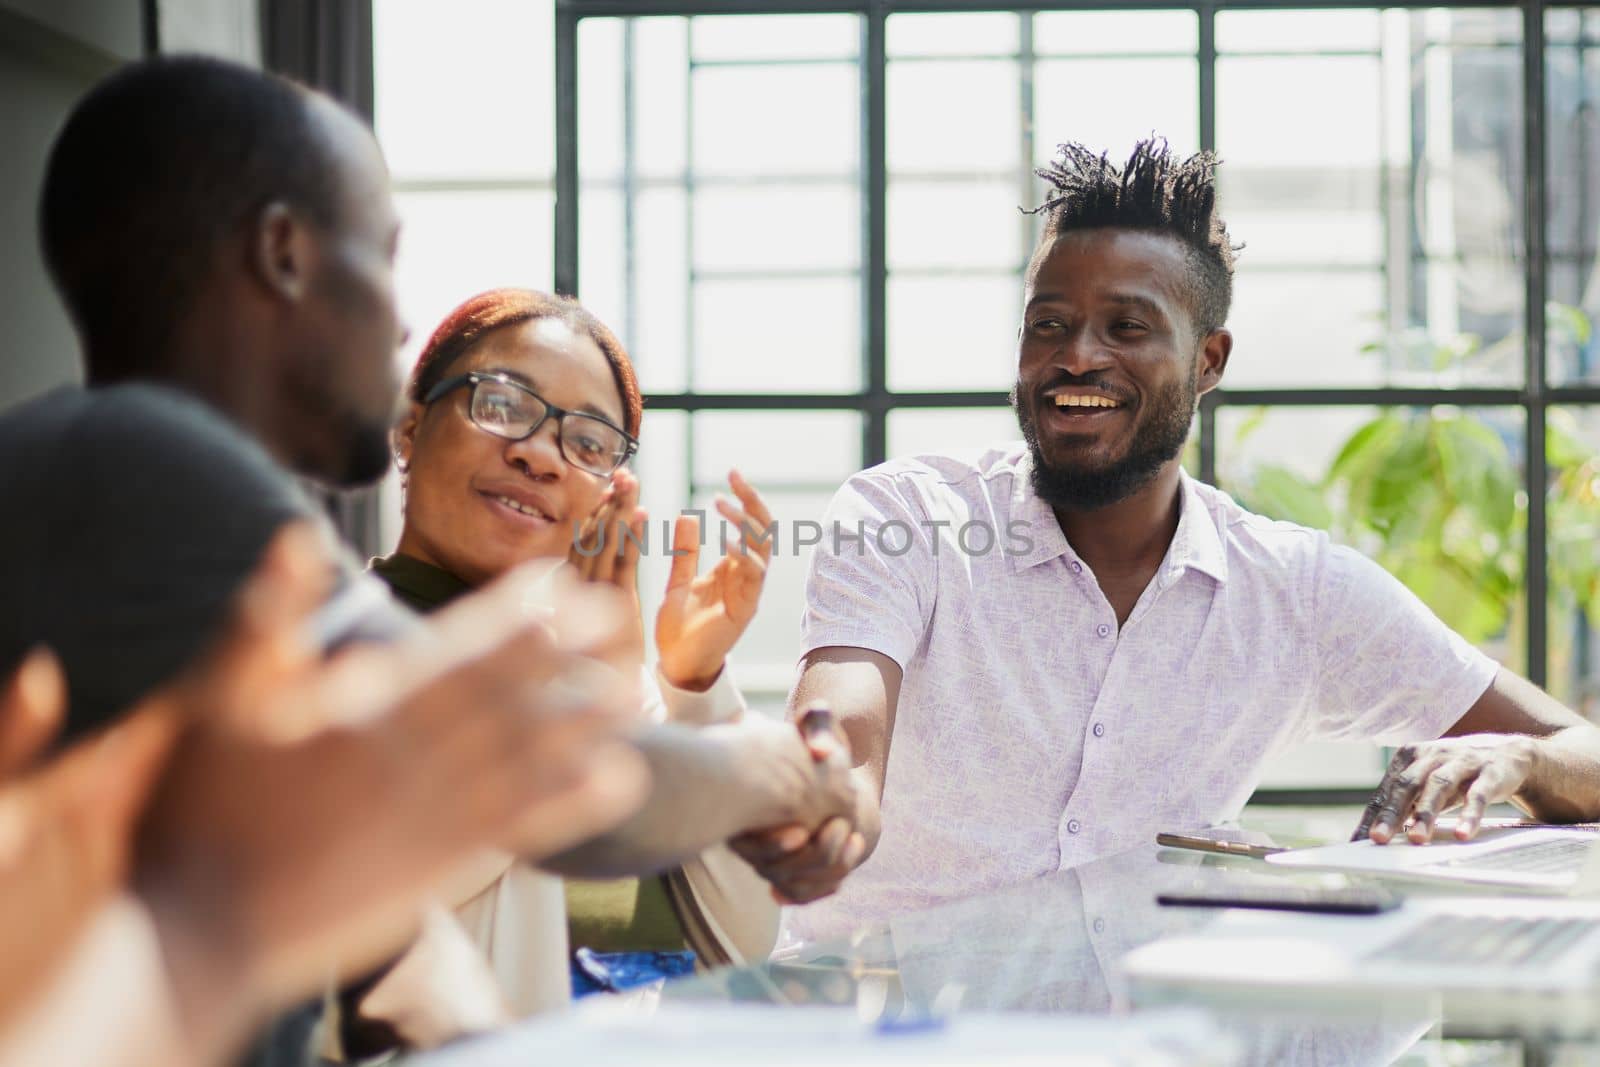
x: 1155, y: 192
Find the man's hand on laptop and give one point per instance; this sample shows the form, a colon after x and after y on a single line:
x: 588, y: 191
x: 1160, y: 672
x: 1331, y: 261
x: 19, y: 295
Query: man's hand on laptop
x: 1425, y: 780
x: 808, y: 862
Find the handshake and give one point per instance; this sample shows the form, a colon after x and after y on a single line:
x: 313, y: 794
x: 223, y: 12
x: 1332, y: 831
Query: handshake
x: 277, y: 814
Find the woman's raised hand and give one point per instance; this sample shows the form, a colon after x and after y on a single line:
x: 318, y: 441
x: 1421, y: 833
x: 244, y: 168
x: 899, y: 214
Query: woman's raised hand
x: 601, y: 552
x: 703, y: 615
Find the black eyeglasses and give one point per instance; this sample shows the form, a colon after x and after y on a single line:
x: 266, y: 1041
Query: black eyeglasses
x: 509, y: 409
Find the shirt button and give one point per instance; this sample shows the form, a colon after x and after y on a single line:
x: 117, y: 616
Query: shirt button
x: 1099, y: 729
x: 1073, y: 826
x: 1103, y: 630
x: 1077, y: 568
x: 1099, y: 926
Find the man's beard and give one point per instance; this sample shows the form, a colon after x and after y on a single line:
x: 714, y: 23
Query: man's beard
x: 341, y: 444
x: 365, y: 455
x: 1158, y: 439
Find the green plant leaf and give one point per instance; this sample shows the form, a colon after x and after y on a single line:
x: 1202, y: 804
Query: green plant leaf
x: 1362, y: 456
x: 1404, y: 478
x: 1477, y: 470
x: 1282, y: 494
x: 1569, y: 320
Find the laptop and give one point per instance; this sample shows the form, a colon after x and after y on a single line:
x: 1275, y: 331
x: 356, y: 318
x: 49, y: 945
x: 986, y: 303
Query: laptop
x: 1524, y: 961
x: 1530, y: 860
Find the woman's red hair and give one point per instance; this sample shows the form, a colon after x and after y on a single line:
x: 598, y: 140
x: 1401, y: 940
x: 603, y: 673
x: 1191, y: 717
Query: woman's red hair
x: 479, y: 316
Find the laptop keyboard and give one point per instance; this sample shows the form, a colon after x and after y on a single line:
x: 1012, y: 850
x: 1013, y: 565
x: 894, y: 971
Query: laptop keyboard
x: 1560, y: 856
x: 1482, y: 939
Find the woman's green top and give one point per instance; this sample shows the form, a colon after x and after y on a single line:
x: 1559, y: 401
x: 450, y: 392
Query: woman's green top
x: 618, y: 915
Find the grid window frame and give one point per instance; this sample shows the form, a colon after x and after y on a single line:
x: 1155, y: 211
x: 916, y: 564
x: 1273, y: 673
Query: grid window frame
x: 875, y: 400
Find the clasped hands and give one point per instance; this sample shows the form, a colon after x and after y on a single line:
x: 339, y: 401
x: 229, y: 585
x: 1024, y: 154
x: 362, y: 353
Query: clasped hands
x: 831, y: 828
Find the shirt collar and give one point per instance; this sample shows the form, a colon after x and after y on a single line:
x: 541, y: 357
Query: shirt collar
x: 1034, y: 521
x: 1196, y: 545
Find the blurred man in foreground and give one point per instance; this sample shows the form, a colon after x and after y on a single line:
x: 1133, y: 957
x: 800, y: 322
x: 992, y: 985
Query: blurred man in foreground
x: 172, y: 880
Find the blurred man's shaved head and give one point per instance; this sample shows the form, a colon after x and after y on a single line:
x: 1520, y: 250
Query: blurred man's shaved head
x: 156, y: 168
x: 232, y: 234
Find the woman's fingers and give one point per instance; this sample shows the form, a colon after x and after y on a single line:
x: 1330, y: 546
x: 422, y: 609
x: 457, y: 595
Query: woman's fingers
x: 583, y: 548
x: 754, y: 539
x: 605, y: 561
x: 633, y: 546
x: 753, y: 504
x: 595, y: 560
x: 685, y: 551
x: 618, y: 520
x: 587, y: 546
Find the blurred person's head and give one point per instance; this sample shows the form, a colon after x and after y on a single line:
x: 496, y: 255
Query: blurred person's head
x: 1126, y: 298
x: 478, y: 500
x: 231, y: 233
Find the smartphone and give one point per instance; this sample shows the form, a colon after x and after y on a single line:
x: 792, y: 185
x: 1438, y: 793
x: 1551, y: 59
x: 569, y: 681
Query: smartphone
x: 1353, y: 900
x: 1221, y: 839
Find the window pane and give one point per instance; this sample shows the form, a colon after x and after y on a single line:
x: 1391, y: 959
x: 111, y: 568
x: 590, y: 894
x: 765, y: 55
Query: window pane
x: 601, y: 60
x: 465, y: 88
x: 1074, y: 101
x: 1297, y: 31
x: 1294, y: 327
x: 1502, y: 28
x: 794, y: 227
x: 1308, y: 111
x: 650, y: 320
x: 1116, y: 32
x: 662, y: 466
x: 648, y: 57
x: 1283, y: 230
x: 986, y: 34
x: 776, y: 120
x: 956, y: 224
x: 743, y: 38
x: 1572, y: 74
x: 661, y: 95
x: 603, y: 266
x: 1573, y: 516
x: 454, y: 245
x: 953, y: 332
x: 1378, y: 198
x: 964, y: 117
x: 818, y: 448
x: 798, y: 335
x: 917, y: 431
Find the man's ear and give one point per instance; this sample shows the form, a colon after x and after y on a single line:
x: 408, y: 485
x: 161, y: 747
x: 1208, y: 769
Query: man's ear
x: 283, y: 252
x: 404, y: 435
x: 1212, y: 360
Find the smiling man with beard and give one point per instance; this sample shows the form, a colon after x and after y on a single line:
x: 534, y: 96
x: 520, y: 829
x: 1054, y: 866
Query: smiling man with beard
x: 1133, y: 646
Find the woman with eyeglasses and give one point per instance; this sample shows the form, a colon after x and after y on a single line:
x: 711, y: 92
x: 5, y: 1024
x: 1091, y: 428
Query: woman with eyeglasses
x: 524, y: 410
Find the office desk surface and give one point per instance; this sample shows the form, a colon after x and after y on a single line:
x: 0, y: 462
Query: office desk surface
x: 1050, y: 948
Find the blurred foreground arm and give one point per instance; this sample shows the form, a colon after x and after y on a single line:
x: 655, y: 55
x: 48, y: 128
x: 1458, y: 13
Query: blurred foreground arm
x: 302, y: 814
